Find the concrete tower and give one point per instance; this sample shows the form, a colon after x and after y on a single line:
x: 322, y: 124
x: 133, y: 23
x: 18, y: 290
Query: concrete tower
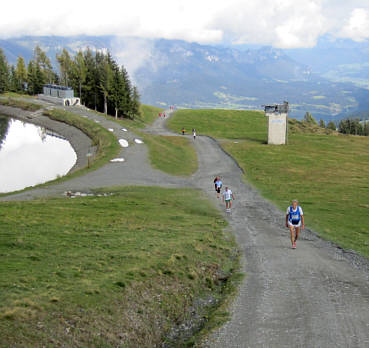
x: 277, y: 123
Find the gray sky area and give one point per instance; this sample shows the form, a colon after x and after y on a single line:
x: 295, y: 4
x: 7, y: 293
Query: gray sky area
x: 281, y: 23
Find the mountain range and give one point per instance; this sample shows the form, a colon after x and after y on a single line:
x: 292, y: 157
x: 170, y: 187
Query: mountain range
x: 330, y: 80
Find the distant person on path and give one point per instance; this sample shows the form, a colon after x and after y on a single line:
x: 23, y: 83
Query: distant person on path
x: 215, y: 180
x: 218, y: 186
x: 294, y: 221
x: 183, y: 131
x: 228, y: 196
x: 194, y: 133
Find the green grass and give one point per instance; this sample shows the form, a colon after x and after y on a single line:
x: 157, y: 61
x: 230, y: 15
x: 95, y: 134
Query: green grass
x: 108, y: 271
x: 16, y: 95
x: 147, y: 116
x: 171, y: 154
x: 328, y: 173
x: 27, y: 106
x: 231, y: 124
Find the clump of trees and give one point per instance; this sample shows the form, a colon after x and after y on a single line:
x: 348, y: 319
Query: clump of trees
x: 308, y: 118
x: 354, y: 127
x: 96, y: 78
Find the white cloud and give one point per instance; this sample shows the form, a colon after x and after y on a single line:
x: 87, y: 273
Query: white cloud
x: 282, y: 23
x: 357, y: 26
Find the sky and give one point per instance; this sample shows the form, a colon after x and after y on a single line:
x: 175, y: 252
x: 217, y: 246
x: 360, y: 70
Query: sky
x: 280, y: 23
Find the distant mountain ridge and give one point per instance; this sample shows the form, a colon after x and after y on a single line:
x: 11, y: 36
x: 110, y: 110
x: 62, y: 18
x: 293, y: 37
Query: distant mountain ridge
x: 193, y: 75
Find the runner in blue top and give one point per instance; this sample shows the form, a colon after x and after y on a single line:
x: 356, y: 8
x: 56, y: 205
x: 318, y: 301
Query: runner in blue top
x: 294, y: 221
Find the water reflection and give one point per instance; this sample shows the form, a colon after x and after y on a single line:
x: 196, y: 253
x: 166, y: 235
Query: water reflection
x: 4, y: 125
x: 31, y: 155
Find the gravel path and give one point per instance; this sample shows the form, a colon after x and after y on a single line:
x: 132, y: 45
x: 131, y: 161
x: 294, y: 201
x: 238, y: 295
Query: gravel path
x: 314, y: 296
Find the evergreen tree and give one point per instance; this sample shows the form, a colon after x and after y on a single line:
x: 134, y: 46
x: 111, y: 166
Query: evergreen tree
x: 135, y: 103
x: 44, y: 65
x: 65, y: 67
x: 115, y: 96
x: 308, y: 118
x: 35, y: 78
x: 13, y: 81
x: 78, y: 72
x: 331, y: 125
x: 366, y: 128
x: 126, y: 93
x: 21, y: 74
x: 105, y: 78
x: 88, y: 88
x: 321, y: 123
x: 4, y: 73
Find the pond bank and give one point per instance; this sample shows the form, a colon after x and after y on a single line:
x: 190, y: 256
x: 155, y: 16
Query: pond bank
x: 80, y: 142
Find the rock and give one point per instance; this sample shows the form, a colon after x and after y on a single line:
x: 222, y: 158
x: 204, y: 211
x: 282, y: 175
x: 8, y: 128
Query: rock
x: 123, y: 143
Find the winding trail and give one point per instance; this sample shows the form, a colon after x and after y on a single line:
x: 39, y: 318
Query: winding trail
x: 315, y: 296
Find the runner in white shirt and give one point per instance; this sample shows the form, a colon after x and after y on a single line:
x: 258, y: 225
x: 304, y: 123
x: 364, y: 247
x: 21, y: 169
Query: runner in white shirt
x: 294, y: 221
x: 227, y: 198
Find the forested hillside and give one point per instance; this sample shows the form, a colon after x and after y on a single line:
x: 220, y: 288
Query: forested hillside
x: 96, y: 78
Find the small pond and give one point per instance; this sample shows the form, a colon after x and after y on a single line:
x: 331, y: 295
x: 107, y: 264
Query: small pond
x: 31, y: 155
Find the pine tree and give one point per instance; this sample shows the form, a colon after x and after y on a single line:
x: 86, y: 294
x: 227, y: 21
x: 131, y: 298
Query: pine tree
x: 116, y: 88
x: 105, y: 78
x: 135, y: 103
x: 321, y: 123
x: 88, y: 87
x: 331, y: 125
x: 44, y: 65
x: 21, y: 74
x: 366, y: 128
x: 13, y: 81
x: 308, y: 118
x: 4, y: 73
x: 126, y: 92
x: 79, y: 72
x: 65, y: 67
x: 35, y: 78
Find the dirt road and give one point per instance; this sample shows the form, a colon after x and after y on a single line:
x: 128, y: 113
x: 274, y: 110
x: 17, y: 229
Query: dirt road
x: 314, y: 296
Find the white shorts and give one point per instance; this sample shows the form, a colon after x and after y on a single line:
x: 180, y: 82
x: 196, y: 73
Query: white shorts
x: 291, y: 224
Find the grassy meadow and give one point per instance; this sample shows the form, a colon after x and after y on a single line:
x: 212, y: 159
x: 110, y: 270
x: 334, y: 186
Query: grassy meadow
x: 230, y: 124
x: 171, y: 154
x: 111, y: 271
x: 328, y: 173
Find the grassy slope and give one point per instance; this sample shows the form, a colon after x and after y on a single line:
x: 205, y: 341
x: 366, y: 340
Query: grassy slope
x: 172, y: 155
x: 107, y: 271
x: 327, y: 173
x: 148, y: 115
x: 229, y: 124
x: 28, y: 106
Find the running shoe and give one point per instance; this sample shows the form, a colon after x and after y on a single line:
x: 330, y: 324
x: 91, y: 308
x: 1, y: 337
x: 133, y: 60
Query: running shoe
x: 294, y: 245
